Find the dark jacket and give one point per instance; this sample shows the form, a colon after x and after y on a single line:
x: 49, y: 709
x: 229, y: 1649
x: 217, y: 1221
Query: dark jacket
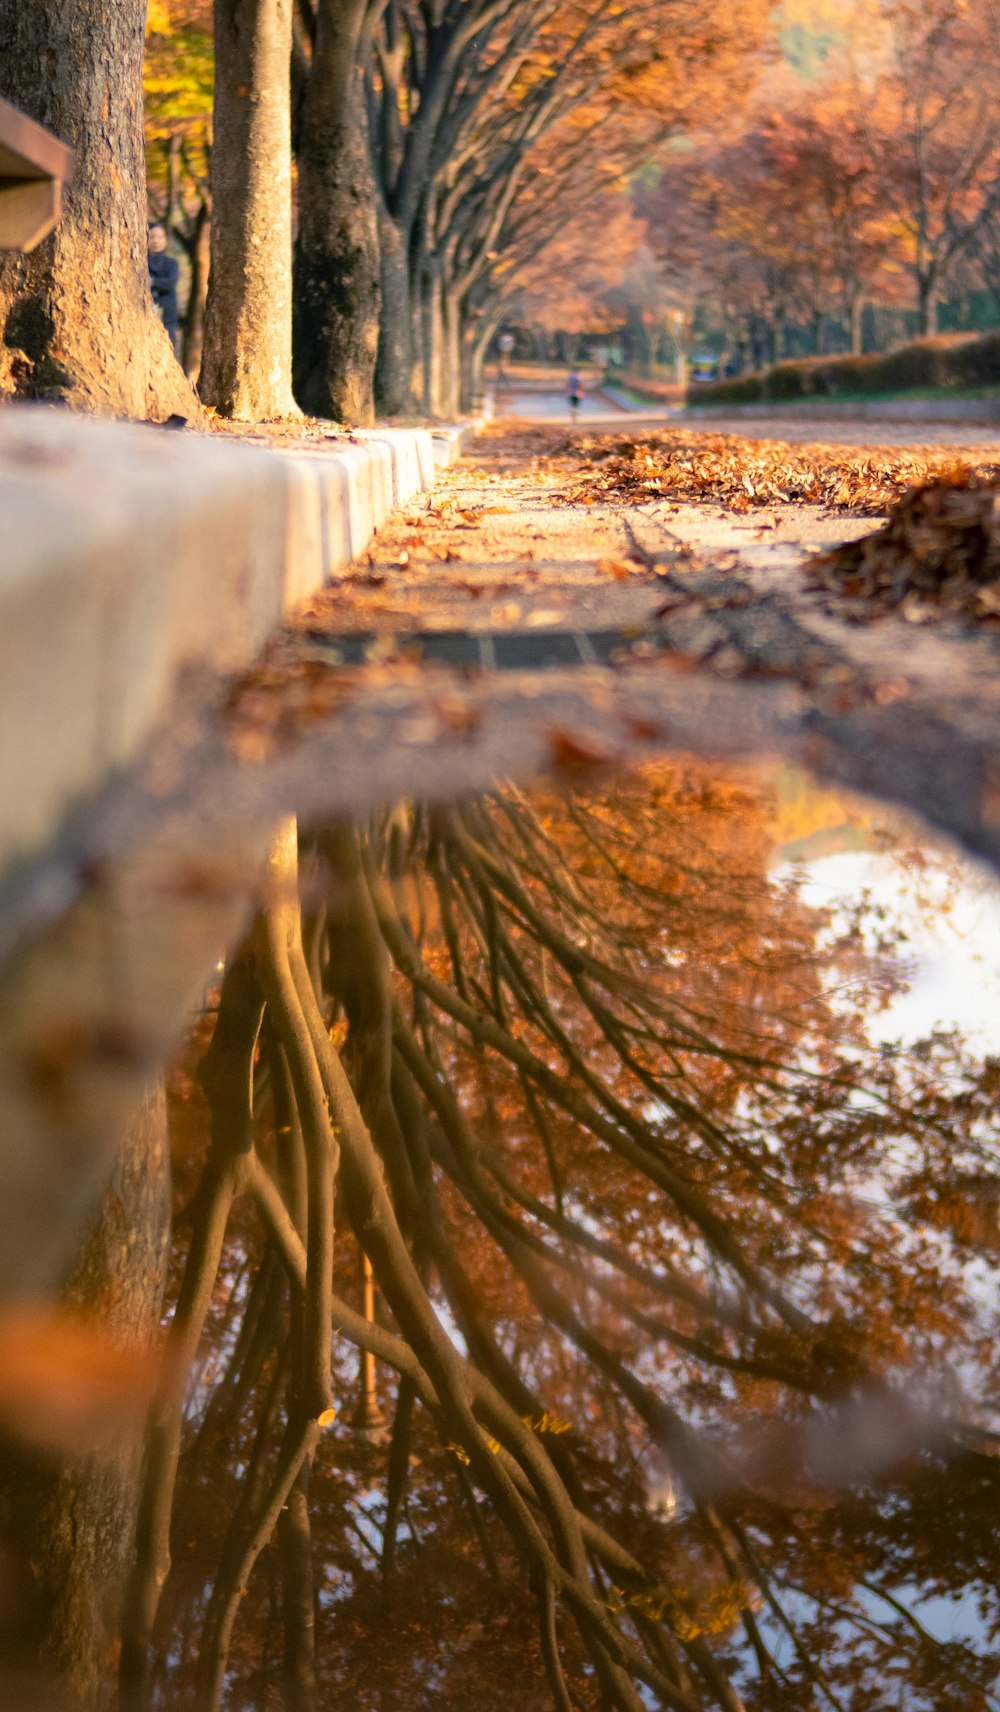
x: 163, y: 274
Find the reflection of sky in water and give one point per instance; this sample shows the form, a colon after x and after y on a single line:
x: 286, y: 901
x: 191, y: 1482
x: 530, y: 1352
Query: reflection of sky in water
x: 951, y: 920
x: 947, y: 917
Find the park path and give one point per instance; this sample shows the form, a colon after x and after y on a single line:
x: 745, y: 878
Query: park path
x: 545, y: 609
x: 535, y: 611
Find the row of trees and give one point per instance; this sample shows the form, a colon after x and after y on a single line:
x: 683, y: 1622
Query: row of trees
x: 855, y: 198
x: 876, y: 180
x: 422, y: 152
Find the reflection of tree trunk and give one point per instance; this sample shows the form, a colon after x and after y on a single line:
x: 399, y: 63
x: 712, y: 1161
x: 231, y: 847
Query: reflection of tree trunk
x: 227, y: 1077
x: 71, y: 1523
x: 298, y: 1598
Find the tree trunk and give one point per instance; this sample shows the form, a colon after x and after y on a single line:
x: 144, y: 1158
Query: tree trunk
x: 77, y: 319
x: 199, y: 253
x: 246, y: 370
x: 298, y: 1596
x: 394, y: 366
x: 926, y: 306
x: 431, y: 340
x: 337, y: 283
x: 856, y: 324
x: 452, y: 350
x: 70, y: 1520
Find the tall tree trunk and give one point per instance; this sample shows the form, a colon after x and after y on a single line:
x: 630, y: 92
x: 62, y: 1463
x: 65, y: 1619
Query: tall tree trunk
x: 246, y: 370
x: 856, y: 324
x: 199, y: 253
x: 70, y: 1521
x: 430, y: 338
x: 77, y: 322
x: 337, y: 271
x: 394, y: 366
x: 452, y: 350
x: 926, y: 305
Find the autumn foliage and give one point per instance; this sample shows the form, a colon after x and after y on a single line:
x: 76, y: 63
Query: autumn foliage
x: 674, y: 1351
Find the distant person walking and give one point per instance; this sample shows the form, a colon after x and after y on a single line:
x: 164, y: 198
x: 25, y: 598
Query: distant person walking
x: 163, y: 276
x: 574, y: 393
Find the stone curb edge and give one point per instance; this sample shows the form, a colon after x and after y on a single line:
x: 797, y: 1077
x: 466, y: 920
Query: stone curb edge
x: 129, y: 554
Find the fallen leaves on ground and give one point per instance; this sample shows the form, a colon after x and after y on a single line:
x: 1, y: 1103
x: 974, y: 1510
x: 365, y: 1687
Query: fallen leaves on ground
x: 277, y: 700
x: 937, y: 552
x: 744, y: 474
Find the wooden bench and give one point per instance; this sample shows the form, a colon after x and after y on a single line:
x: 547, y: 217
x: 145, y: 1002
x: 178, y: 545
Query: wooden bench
x: 34, y: 166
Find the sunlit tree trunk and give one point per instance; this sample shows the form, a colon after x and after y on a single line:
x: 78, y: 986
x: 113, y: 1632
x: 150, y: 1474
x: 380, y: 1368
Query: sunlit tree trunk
x: 199, y: 252
x: 394, y: 365
x: 77, y: 322
x: 246, y: 370
x: 337, y: 267
x: 856, y: 311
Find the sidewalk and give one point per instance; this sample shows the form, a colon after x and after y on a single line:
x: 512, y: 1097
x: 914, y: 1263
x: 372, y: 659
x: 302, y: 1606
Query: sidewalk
x: 134, y: 557
x: 506, y: 625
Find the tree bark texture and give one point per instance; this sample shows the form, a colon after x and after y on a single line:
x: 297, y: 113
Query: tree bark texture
x: 394, y: 365
x: 337, y: 271
x: 246, y: 370
x: 68, y: 1522
x: 199, y: 252
x: 77, y: 322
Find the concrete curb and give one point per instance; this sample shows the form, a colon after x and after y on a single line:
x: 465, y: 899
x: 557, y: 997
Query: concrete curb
x: 129, y: 554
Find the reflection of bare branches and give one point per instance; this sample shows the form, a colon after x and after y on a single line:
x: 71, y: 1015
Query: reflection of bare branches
x: 531, y: 1116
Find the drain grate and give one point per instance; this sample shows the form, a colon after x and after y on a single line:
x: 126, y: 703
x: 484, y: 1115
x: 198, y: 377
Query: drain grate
x: 492, y: 650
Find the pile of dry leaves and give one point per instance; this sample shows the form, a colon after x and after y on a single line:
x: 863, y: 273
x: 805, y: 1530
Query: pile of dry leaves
x: 937, y: 552
x: 743, y: 474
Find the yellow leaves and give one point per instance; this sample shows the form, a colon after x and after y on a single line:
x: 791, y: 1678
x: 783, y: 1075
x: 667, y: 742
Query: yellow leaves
x: 457, y: 1450
x: 546, y: 1423
x: 687, y: 1613
x: 543, y: 1424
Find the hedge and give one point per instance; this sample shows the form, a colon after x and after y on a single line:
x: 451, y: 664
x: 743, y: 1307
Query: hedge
x: 955, y: 360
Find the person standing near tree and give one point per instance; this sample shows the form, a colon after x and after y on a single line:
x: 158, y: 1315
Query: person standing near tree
x: 163, y: 275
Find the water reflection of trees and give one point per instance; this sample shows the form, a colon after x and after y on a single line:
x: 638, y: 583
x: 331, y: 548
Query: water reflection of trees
x: 675, y: 1324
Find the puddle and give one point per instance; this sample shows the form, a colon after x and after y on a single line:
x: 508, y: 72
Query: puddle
x: 582, y: 1286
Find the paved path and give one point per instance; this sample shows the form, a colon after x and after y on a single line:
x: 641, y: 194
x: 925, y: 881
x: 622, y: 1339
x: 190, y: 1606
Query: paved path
x: 536, y: 405
x: 497, y: 626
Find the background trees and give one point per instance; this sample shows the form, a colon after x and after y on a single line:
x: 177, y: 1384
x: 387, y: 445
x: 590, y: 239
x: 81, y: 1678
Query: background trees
x: 873, y: 156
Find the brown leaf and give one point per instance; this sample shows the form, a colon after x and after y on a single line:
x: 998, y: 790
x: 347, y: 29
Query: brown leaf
x: 66, y: 1384
x: 574, y: 752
